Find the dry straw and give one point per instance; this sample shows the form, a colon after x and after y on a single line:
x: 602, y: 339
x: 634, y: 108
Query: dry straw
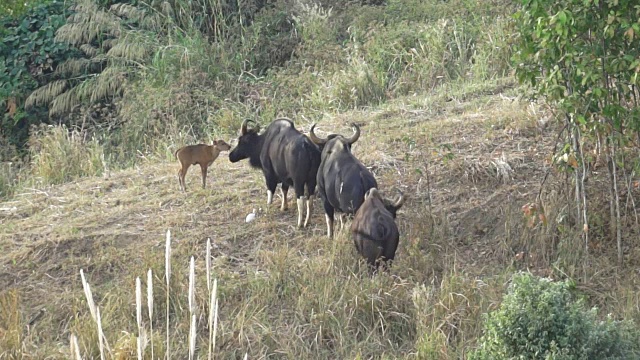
x: 142, y: 339
x: 139, y: 316
x: 75, y: 349
x: 139, y: 345
x: 208, y: 262
x: 150, y: 307
x: 100, y: 334
x: 167, y: 266
x: 192, y: 281
x: 213, y: 302
x: 192, y: 337
x: 95, y: 313
x: 88, y: 295
x: 192, y: 306
x: 213, y: 317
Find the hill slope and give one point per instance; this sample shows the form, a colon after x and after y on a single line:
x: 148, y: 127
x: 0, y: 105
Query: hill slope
x: 468, y: 159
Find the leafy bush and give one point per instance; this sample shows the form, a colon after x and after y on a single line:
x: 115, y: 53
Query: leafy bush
x: 28, y: 56
x: 542, y: 319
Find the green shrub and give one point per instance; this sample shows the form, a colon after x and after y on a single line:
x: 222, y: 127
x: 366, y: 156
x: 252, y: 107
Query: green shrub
x: 271, y: 40
x: 28, y: 57
x: 542, y: 319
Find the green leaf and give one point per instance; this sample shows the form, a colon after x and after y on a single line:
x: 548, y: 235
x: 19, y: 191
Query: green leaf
x: 562, y: 17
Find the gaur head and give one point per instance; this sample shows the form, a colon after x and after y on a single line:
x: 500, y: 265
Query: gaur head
x: 322, y: 142
x: 391, y: 205
x: 248, y: 145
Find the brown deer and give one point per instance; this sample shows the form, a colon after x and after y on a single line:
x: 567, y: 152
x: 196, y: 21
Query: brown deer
x: 201, y: 154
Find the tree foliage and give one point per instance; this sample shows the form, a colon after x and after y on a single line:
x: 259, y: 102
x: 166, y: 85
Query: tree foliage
x: 28, y: 56
x: 584, y: 56
x: 113, y: 42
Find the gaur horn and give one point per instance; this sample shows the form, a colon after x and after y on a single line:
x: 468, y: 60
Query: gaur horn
x: 315, y: 138
x: 356, y: 135
x: 243, y: 128
x: 256, y: 128
x: 370, y: 192
x: 401, y: 199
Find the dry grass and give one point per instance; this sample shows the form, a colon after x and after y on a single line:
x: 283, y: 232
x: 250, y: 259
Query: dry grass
x: 468, y: 162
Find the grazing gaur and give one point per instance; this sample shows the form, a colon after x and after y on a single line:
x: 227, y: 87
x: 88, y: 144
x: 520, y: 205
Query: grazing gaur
x: 286, y: 156
x: 201, y: 154
x: 375, y: 233
x: 342, y: 178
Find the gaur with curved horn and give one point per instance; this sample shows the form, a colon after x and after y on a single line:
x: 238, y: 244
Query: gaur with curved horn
x: 285, y: 156
x: 342, y: 178
x: 374, y: 231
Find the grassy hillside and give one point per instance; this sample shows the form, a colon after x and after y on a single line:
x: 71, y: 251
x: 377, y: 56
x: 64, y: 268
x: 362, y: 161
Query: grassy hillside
x: 468, y: 157
x: 430, y: 84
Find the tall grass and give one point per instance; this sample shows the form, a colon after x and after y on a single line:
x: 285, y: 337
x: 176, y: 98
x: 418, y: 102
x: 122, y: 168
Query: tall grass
x: 9, y: 178
x: 11, y: 325
x: 59, y: 154
x: 335, y: 311
x: 150, y: 307
x: 171, y: 323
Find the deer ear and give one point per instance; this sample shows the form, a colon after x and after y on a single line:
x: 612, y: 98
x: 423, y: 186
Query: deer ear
x: 215, y: 142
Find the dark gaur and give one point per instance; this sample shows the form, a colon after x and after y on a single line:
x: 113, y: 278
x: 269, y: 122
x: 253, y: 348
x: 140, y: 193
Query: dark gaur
x: 374, y: 231
x: 342, y: 178
x: 285, y: 156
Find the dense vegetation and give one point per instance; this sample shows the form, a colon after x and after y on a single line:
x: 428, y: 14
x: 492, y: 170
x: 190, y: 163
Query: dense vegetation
x: 29, y: 55
x: 540, y: 319
x: 94, y: 86
x: 142, y: 78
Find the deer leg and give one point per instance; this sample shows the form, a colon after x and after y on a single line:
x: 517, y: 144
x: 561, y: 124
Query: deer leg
x: 181, y: 175
x: 204, y: 175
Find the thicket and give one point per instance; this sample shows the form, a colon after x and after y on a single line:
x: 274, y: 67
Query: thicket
x: 583, y: 58
x: 28, y: 57
x: 544, y: 319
